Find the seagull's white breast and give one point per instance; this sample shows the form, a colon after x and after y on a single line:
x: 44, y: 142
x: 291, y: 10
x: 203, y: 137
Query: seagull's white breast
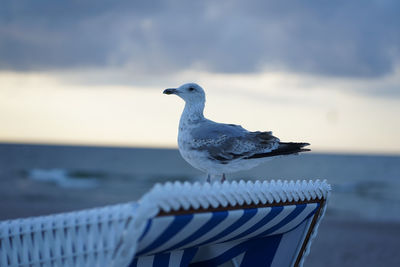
x: 186, y: 144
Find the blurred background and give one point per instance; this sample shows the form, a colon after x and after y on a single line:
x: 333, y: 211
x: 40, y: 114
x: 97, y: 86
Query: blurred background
x: 84, y: 123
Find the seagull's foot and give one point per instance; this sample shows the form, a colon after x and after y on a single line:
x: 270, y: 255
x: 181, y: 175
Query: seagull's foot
x: 223, y: 179
x: 216, y: 177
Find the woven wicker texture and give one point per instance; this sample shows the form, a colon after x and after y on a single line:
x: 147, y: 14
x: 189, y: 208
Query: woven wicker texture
x: 84, y: 238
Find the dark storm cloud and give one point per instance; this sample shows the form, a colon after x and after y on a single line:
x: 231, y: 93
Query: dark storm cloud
x: 337, y: 38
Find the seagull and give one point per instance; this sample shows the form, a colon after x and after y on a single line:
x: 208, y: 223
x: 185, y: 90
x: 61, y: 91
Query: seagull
x: 219, y: 148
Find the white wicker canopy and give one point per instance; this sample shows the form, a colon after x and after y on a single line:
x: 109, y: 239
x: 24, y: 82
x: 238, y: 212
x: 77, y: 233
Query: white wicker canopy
x: 177, y: 224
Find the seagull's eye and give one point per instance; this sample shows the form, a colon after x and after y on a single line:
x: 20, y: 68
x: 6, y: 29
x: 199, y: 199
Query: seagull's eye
x: 191, y: 89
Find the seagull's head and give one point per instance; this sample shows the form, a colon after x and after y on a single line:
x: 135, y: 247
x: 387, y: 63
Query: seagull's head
x: 192, y: 93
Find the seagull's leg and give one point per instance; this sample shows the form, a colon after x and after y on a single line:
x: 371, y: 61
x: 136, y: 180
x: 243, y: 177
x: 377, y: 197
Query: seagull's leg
x: 208, y: 178
x: 223, y: 179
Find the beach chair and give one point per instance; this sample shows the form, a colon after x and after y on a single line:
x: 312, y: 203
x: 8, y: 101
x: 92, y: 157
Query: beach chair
x: 177, y: 224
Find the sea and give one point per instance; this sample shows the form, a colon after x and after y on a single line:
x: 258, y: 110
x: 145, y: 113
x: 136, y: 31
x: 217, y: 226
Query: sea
x: 43, y: 179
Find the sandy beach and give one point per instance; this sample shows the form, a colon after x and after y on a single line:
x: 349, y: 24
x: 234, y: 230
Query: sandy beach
x: 355, y: 243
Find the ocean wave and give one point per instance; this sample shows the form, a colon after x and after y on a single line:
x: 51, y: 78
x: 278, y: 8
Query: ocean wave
x: 65, y: 178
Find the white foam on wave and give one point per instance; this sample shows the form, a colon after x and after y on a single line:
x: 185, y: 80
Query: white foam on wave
x: 62, y: 178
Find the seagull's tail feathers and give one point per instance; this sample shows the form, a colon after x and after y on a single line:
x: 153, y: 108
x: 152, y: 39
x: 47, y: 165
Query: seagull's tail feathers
x: 283, y: 149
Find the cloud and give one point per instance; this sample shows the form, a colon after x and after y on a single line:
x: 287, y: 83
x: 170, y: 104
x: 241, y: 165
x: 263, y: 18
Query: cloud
x: 329, y: 38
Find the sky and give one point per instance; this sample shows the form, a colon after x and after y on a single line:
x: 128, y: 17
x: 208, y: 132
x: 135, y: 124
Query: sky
x: 93, y: 72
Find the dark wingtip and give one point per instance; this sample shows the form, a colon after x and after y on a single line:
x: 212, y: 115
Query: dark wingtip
x: 283, y: 149
x: 300, y: 147
x: 303, y: 144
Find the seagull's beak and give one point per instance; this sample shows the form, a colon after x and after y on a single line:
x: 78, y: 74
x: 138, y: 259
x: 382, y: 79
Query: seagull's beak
x: 170, y: 91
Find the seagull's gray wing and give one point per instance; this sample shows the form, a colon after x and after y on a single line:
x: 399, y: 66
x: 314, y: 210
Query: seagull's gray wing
x: 226, y: 142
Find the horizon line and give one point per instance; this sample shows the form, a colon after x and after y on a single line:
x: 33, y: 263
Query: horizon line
x: 175, y: 147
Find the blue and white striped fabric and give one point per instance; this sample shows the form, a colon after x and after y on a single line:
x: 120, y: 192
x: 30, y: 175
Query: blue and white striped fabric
x: 267, y: 236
